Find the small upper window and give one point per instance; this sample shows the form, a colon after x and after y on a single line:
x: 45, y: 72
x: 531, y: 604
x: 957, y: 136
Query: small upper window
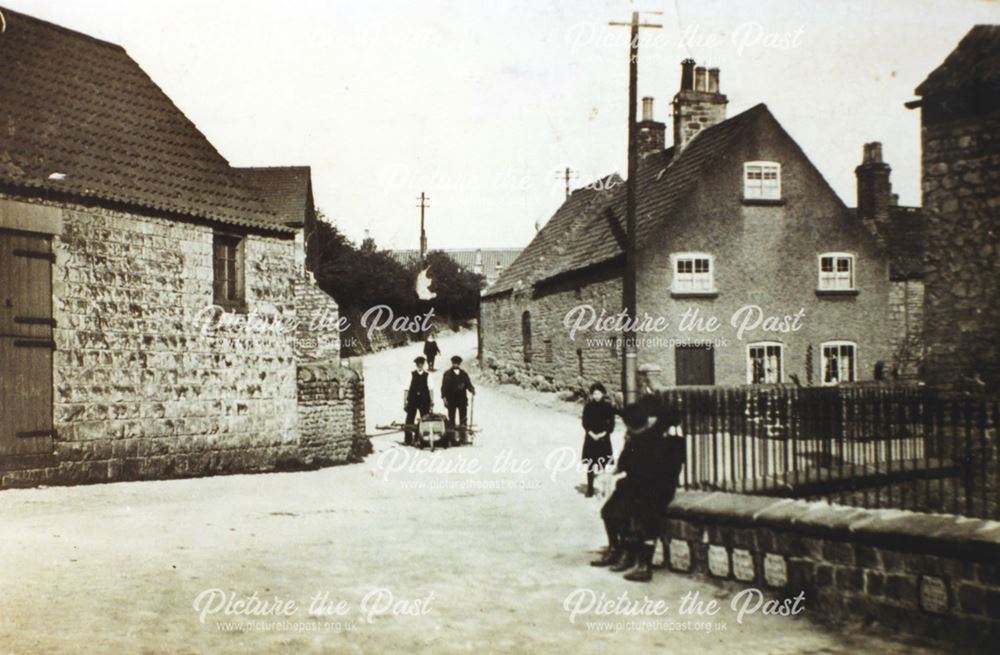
x: 227, y: 268
x: 693, y: 273
x: 836, y: 271
x: 762, y: 180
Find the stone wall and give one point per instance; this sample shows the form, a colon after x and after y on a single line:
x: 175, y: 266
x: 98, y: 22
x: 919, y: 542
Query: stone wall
x: 331, y: 414
x: 557, y: 361
x: 150, y: 381
x: 961, y: 198
x: 930, y: 575
x: 906, y: 311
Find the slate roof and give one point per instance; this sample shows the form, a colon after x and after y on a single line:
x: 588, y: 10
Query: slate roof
x: 975, y: 61
x: 286, y: 190
x: 589, y: 228
x: 79, y: 118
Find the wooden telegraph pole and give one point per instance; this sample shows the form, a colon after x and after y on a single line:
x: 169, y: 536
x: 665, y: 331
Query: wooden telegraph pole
x: 423, y: 233
x: 630, y: 378
x: 566, y: 175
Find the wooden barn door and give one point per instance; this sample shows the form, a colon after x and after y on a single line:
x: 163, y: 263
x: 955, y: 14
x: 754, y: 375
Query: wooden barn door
x: 694, y: 365
x: 25, y: 344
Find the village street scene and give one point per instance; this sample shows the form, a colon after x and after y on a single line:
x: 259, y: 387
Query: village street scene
x: 500, y: 328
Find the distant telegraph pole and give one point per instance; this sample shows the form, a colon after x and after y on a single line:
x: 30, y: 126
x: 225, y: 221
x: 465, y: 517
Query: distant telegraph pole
x: 566, y: 175
x: 423, y: 233
x: 630, y: 365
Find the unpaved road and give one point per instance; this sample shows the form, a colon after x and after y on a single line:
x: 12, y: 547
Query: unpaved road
x: 447, y: 561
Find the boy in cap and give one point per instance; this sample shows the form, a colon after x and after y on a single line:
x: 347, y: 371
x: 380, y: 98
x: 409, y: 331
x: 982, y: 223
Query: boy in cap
x: 455, y: 384
x: 431, y: 351
x: 418, y: 398
x: 650, y: 463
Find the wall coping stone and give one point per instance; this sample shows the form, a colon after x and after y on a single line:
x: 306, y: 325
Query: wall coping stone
x: 946, y: 535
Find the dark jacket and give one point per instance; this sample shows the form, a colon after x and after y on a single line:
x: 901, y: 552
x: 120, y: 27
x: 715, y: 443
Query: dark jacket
x: 419, y: 394
x: 431, y: 349
x: 598, y: 416
x: 454, y: 386
x: 652, y: 461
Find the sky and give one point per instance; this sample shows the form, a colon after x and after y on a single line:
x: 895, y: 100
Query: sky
x: 481, y: 103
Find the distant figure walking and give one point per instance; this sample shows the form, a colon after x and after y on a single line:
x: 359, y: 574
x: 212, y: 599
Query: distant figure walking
x: 598, y: 424
x: 431, y: 351
x: 455, y: 385
x: 418, y: 398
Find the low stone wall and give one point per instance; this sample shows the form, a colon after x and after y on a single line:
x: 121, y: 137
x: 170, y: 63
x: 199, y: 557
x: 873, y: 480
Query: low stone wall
x: 331, y: 415
x: 930, y: 575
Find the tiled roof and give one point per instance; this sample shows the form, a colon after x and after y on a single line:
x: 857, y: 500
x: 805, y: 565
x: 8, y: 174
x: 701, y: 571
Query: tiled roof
x: 975, y: 61
x: 79, y: 118
x: 554, y: 248
x: 286, y: 190
x: 493, y: 260
x: 589, y: 227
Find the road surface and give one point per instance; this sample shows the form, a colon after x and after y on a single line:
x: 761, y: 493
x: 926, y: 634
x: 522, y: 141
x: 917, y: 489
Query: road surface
x: 482, y: 549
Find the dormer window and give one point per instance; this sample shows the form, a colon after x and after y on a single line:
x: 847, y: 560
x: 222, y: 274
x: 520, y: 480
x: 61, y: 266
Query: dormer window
x: 761, y: 180
x: 693, y: 274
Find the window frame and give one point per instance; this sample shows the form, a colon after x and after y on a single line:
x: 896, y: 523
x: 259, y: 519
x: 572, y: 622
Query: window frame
x: 765, y: 345
x: 838, y: 343
x: 824, y: 279
x: 762, y: 192
x: 677, y: 257
x: 236, y: 277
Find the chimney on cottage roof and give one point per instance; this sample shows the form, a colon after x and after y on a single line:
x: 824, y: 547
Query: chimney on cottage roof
x: 875, y: 195
x: 652, y: 134
x: 699, y: 104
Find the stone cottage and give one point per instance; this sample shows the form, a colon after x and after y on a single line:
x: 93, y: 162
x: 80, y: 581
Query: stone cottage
x: 750, y: 269
x: 960, y: 118
x: 149, y: 292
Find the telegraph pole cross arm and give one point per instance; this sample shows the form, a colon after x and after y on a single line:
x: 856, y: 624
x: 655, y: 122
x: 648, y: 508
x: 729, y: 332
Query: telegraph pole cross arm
x: 630, y: 379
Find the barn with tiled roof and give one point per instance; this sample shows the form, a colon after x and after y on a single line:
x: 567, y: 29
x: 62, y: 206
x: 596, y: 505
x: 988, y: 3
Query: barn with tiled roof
x: 133, y: 259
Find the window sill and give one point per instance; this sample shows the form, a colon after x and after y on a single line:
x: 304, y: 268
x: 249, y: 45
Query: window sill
x: 233, y: 307
x: 764, y: 202
x: 694, y: 294
x: 836, y: 292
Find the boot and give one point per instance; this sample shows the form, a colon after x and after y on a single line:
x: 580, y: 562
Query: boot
x: 610, y: 556
x: 625, y: 561
x: 643, y: 571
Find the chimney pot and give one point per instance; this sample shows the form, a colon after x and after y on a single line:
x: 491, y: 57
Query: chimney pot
x: 713, y: 80
x: 687, y: 75
x: 700, y: 79
x: 872, y: 153
x: 647, y: 109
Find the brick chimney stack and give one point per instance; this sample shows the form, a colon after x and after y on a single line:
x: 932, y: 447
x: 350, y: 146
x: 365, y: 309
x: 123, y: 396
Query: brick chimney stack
x: 699, y: 104
x: 875, y: 195
x: 652, y: 134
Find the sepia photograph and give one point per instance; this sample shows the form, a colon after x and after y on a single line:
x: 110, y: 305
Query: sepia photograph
x: 500, y: 326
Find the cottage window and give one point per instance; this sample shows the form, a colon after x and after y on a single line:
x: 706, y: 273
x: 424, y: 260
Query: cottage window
x: 762, y: 180
x: 839, y: 362
x: 836, y: 271
x: 764, y: 363
x: 227, y: 267
x: 693, y: 273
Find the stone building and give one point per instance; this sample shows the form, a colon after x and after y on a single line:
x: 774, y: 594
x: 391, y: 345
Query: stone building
x: 960, y: 117
x: 148, y: 291
x: 735, y: 224
x: 488, y: 262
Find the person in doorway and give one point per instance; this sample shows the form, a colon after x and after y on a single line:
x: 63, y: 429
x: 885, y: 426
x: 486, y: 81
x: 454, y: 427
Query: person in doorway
x: 598, y: 424
x: 431, y: 351
x: 418, y: 399
x: 455, y: 387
